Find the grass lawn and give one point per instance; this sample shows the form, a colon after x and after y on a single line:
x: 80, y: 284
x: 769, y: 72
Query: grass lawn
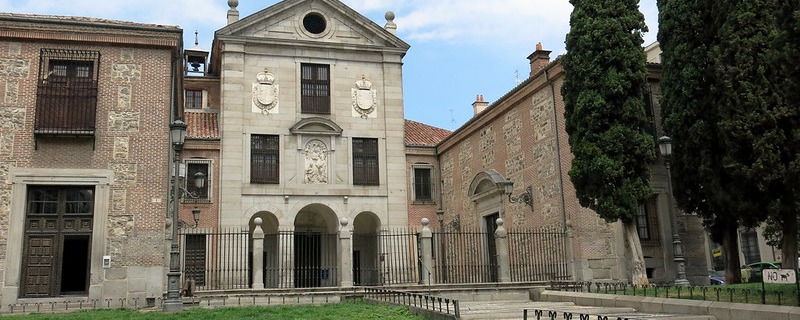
x: 344, y: 310
x: 777, y: 294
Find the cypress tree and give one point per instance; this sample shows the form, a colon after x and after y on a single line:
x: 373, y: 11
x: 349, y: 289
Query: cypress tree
x: 605, y: 73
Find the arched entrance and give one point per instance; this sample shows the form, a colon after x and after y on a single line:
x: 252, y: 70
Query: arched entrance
x: 315, y: 247
x: 271, y: 252
x: 366, y: 257
x: 487, y: 192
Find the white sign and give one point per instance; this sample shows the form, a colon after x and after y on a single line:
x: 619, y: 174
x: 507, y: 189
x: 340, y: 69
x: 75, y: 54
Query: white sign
x: 779, y: 276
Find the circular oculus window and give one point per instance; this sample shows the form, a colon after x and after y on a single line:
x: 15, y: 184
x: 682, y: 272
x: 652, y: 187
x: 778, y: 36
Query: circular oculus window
x: 315, y: 23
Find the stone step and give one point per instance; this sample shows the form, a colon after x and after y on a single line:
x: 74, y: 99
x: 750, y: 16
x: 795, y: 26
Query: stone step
x: 513, y: 310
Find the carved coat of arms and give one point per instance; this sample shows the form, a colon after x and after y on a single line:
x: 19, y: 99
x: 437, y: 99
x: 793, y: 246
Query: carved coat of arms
x: 265, y: 93
x: 364, y: 98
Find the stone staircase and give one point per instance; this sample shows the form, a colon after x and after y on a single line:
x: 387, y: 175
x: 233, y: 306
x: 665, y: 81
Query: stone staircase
x: 508, y: 310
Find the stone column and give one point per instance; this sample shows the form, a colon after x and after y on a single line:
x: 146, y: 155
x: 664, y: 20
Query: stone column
x: 426, y: 250
x: 345, y: 255
x: 258, y: 255
x: 501, y: 244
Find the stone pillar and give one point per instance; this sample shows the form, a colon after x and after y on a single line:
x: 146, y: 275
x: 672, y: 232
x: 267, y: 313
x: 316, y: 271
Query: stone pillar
x: 258, y: 255
x: 345, y: 255
x: 501, y: 244
x: 426, y: 244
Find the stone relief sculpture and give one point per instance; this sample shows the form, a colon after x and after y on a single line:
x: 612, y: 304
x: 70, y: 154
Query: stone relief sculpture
x: 364, y: 98
x: 316, y: 162
x: 265, y: 93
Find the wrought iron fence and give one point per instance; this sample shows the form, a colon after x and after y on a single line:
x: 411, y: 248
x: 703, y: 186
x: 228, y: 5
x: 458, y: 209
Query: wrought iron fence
x: 415, y: 300
x: 538, y: 256
x: 471, y: 256
x: 552, y: 315
x: 784, y: 295
x: 222, y: 260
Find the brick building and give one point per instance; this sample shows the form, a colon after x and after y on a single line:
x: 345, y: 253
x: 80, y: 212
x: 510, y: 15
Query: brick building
x: 84, y: 145
x: 521, y: 138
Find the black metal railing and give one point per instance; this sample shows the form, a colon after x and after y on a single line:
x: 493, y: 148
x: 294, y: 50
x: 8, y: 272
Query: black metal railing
x: 463, y: 257
x: 538, y: 256
x: 786, y: 295
x: 414, y: 300
x: 539, y: 314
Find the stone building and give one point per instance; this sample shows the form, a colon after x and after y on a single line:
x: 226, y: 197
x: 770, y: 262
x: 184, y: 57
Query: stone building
x: 311, y: 136
x: 521, y: 138
x: 84, y: 145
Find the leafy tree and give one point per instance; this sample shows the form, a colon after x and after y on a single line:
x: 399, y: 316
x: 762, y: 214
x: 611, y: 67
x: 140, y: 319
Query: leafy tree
x: 759, y: 127
x: 686, y: 34
x: 605, y: 73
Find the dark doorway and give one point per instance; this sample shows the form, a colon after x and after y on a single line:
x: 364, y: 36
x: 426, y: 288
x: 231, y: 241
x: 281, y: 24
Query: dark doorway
x: 357, y: 268
x: 75, y: 265
x: 308, y: 252
x: 491, y: 245
x: 58, y: 228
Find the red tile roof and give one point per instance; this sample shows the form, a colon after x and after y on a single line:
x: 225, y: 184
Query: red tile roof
x: 420, y: 134
x: 201, y: 125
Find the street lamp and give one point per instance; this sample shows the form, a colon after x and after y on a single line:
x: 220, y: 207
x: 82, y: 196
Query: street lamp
x: 665, y: 146
x: 525, y: 197
x: 173, y: 303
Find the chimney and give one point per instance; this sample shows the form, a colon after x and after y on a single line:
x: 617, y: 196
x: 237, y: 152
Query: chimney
x: 479, y: 105
x: 233, y: 14
x: 539, y: 59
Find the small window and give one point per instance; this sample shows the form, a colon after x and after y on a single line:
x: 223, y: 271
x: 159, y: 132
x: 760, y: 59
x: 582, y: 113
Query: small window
x: 194, y: 99
x: 365, y: 162
x: 198, y: 193
x: 647, y: 220
x: 314, y: 23
x: 264, y: 159
x: 423, y: 189
x: 315, y: 86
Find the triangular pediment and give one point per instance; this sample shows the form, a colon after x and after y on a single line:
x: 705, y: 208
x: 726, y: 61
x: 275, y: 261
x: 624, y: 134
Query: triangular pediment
x: 293, y: 21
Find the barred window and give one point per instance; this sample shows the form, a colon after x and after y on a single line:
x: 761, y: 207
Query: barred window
x: 365, y: 162
x: 264, y: 162
x: 315, y: 88
x: 194, y: 99
x: 66, y: 97
x: 423, y: 190
x: 198, y: 193
x: 647, y: 220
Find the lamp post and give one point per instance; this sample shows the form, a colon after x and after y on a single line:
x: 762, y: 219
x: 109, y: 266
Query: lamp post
x: 173, y: 303
x: 665, y: 146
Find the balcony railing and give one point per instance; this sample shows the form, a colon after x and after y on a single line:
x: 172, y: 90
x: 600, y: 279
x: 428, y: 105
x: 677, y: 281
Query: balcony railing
x: 66, y: 106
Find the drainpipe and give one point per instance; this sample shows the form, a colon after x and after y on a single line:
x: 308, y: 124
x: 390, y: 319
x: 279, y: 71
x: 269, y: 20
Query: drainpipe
x: 564, y: 221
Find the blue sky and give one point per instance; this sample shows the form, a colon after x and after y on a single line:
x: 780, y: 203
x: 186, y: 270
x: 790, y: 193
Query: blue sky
x: 459, y: 48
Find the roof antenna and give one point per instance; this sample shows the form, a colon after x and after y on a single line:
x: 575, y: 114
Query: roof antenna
x: 516, y: 76
x: 452, y: 118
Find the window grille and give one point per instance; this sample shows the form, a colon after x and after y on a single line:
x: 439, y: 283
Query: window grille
x: 66, y: 98
x: 365, y: 161
x: 194, y: 99
x: 422, y: 184
x: 264, y: 162
x: 315, y: 89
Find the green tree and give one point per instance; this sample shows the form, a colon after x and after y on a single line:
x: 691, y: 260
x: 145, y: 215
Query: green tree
x: 605, y: 73
x: 687, y: 30
x: 759, y: 126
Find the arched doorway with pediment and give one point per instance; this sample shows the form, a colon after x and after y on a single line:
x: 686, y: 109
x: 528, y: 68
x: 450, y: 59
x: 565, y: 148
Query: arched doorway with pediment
x: 487, y: 192
x: 315, y: 243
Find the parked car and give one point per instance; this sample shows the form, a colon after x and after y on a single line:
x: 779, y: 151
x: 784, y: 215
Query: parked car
x: 716, y: 277
x: 757, y: 268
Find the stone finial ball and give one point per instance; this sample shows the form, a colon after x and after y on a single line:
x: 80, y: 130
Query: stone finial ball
x: 389, y: 16
x: 233, y: 3
x: 258, y: 221
x: 344, y: 222
x: 425, y: 221
x: 500, y: 222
